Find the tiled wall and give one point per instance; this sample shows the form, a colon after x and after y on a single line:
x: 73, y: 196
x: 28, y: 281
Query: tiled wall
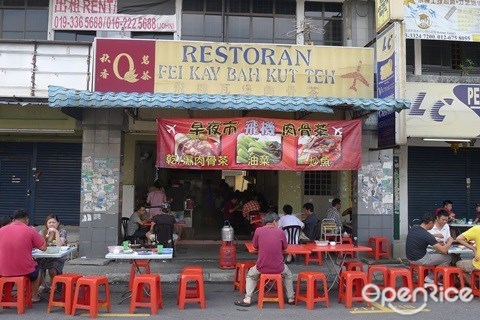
x: 100, y: 205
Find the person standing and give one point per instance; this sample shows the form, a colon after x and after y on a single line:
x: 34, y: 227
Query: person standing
x: 53, y: 234
x: 468, y: 266
x: 270, y: 242
x: 447, y: 206
x: 310, y: 222
x: 19, y: 238
x: 418, y: 242
x: 156, y: 198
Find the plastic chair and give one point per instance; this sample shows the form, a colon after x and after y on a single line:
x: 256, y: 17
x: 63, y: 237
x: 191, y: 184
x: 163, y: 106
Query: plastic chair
x: 350, y: 287
x: 89, y: 300
x: 239, y: 280
x: 377, y: 244
x: 348, y: 240
x: 330, y: 230
x: 293, y: 234
x: 353, y: 265
x: 197, y: 294
x: 68, y: 282
x: 312, y: 296
x: 270, y: 297
x: 23, y: 296
x: 403, y: 274
x: 153, y: 300
x: 125, y: 228
x: 164, y: 235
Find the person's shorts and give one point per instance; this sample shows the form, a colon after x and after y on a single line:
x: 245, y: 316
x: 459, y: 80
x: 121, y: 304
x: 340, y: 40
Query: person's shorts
x: 140, y: 233
x: 466, y: 266
x: 34, y: 274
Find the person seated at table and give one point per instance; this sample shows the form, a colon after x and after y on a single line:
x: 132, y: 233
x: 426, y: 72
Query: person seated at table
x: 270, y: 242
x: 54, y: 235
x: 334, y: 213
x: 138, y: 224
x: 310, y: 223
x: 17, y: 240
x: 477, y: 217
x: 165, y: 217
x: 289, y: 220
x: 4, y: 220
x: 468, y: 266
x: 418, y: 242
x: 447, y: 206
x: 441, y: 229
x: 250, y: 208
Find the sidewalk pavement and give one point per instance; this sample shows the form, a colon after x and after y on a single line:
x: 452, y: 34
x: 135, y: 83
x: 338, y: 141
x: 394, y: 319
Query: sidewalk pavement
x: 205, y: 255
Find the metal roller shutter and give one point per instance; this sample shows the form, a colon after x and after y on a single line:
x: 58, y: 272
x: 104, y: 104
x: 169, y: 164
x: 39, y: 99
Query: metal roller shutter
x: 58, y: 187
x: 434, y: 175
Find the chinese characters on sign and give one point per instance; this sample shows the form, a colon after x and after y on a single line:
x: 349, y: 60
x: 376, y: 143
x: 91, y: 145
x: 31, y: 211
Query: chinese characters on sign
x: 180, y: 67
x: 258, y: 143
x: 102, y: 15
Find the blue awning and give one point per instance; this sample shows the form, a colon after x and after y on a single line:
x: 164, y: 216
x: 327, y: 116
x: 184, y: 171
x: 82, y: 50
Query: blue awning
x: 59, y: 97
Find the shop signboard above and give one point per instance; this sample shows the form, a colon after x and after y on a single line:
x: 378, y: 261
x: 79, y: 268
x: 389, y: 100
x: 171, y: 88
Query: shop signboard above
x: 443, y: 110
x: 180, y: 67
x: 455, y: 20
x: 259, y: 144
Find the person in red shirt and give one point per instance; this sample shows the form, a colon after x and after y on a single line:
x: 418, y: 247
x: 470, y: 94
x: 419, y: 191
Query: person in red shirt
x: 20, y: 238
x: 270, y: 241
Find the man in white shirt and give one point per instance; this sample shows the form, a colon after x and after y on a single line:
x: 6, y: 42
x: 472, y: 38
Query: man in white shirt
x: 441, y: 230
x: 289, y: 220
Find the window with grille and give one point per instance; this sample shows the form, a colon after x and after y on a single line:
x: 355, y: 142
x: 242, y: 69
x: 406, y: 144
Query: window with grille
x: 324, y: 23
x: 24, y: 19
x: 320, y: 183
x: 246, y: 21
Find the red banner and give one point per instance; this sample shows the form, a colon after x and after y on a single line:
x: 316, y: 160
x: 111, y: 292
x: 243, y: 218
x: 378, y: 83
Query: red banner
x: 259, y: 144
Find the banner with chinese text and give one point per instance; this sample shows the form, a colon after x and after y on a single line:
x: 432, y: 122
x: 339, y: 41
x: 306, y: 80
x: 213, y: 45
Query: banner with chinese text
x: 452, y: 20
x: 125, y: 65
x: 259, y: 144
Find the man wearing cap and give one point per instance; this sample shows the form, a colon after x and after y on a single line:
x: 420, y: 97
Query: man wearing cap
x: 165, y: 217
x: 270, y: 241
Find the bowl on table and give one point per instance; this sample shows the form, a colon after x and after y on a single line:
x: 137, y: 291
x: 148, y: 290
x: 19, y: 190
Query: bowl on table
x: 52, y: 249
x: 321, y: 243
x: 64, y: 248
x: 115, y: 249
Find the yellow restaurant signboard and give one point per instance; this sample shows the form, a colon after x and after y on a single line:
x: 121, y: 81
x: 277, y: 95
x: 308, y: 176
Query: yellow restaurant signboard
x: 221, y: 68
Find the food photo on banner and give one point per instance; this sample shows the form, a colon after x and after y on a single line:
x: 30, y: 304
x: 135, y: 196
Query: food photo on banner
x: 258, y: 143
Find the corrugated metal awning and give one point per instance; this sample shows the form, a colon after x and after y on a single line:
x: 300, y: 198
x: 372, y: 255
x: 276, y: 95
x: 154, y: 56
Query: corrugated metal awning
x: 59, y: 97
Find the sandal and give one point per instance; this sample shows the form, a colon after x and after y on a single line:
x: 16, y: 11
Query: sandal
x: 242, y: 303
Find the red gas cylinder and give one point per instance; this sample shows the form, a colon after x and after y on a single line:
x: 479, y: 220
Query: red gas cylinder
x: 228, y: 255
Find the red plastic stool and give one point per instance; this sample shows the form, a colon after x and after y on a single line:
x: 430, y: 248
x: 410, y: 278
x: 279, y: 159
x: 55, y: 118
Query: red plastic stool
x: 475, y: 283
x: 270, y: 297
x: 312, y: 295
x: 448, y: 273
x: 377, y: 244
x: 404, y: 274
x: 24, y: 293
x: 241, y: 269
x: 89, y: 299
x: 353, y: 265
x: 68, y: 282
x: 193, y: 268
x: 195, y: 294
x: 154, y: 300
x: 378, y: 269
x: 314, y: 256
x: 422, y: 272
x: 350, y: 287
x: 135, y: 269
x: 348, y: 240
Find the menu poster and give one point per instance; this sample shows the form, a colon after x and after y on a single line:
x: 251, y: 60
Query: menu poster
x: 259, y: 144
